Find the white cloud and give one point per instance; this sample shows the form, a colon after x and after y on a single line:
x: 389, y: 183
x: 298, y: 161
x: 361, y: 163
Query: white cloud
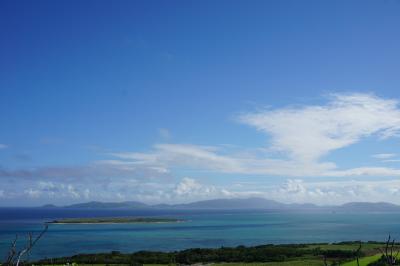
x: 291, y: 191
x: 3, y: 146
x: 303, y: 134
x: 384, y: 155
x: 293, y: 186
x: 45, y: 189
x: 337, y: 192
x: 200, y: 158
x: 325, y: 192
x: 215, y: 159
x: 73, y: 192
x: 365, y: 171
x: 189, y: 188
x: 164, y: 133
x: 86, y: 193
x: 309, y: 132
x: 300, y: 138
x: 391, y: 161
x: 33, y: 193
x: 166, y: 155
x: 186, y: 190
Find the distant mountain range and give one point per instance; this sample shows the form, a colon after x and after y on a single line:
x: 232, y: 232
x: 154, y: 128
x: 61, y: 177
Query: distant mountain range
x: 110, y: 205
x: 238, y: 204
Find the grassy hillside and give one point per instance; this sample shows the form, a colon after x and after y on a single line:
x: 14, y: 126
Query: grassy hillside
x: 265, y: 255
x: 364, y: 261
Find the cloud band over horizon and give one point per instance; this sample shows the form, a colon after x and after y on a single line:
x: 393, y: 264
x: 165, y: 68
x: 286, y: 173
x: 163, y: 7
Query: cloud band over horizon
x: 299, y: 140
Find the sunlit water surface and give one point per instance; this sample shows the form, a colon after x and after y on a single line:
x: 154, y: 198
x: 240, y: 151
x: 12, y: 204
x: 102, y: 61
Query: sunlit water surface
x: 200, y: 229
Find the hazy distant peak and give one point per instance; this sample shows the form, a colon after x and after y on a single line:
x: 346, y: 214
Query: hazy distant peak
x: 238, y: 204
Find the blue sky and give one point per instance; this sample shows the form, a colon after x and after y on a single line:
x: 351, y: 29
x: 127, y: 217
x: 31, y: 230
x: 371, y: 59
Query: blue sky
x: 175, y: 101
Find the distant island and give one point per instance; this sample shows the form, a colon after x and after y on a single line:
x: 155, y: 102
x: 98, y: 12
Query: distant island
x: 238, y: 204
x: 114, y: 220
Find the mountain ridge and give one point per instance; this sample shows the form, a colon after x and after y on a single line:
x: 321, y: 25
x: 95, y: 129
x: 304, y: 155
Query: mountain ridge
x: 236, y: 204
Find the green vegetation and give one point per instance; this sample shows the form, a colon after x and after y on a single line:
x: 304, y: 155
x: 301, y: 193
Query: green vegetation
x: 104, y: 220
x: 343, y: 253
x: 305, y: 262
x: 364, y: 261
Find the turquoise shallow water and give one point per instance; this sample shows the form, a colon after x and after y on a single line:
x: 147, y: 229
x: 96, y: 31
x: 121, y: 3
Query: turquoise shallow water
x: 201, y: 229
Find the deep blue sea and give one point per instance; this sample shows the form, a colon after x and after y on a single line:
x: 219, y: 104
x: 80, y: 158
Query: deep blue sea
x: 201, y: 229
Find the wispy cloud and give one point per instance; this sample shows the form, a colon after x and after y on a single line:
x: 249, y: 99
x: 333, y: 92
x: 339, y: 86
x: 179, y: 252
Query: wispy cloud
x: 384, y: 155
x: 3, y: 146
x: 190, y: 189
x: 164, y: 133
x: 186, y: 190
x: 303, y: 134
x: 51, y: 190
x: 391, y: 161
x: 99, y: 170
x: 306, y: 133
x: 387, y: 157
x: 299, y: 137
x: 337, y: 192
x: 216, y: 159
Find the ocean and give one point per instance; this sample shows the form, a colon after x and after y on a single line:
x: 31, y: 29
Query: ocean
x: 202, y: 228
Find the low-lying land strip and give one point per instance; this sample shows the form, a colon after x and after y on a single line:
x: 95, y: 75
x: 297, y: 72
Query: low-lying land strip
x: 111, y: 220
